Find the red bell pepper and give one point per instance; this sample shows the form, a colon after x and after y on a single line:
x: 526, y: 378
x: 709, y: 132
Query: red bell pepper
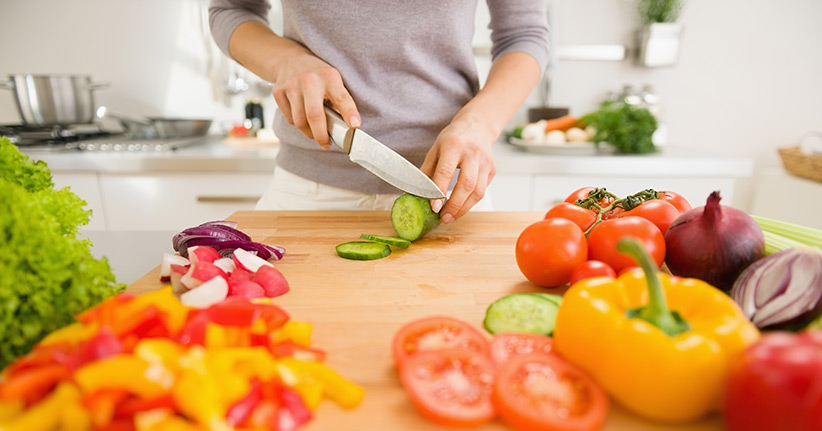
x: 33, y: 383
x: 241, y: 410
x: 777, y: 385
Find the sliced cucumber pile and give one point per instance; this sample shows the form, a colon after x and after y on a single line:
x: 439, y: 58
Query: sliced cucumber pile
x: 412, y: 217
x: 534, y: 313
x: 390, y: 240
x: 363, y: 250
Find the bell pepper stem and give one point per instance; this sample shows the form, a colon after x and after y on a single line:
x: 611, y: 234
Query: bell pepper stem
x: 656, y: 312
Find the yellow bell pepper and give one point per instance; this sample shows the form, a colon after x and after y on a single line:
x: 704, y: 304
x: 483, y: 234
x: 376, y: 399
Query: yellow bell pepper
x: 343, y: 391
x: 130, y: 373
x: 665, y: 361
x: 59, y: 410
x: 72, y: 334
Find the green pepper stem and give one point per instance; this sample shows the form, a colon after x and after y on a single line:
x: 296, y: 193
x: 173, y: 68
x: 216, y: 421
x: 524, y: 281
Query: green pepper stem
x: 656, y: 312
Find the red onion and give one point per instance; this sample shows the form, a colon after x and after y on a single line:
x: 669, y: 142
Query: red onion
x: 713, y: 243
x: 782, y: 290
x: 224, y: 237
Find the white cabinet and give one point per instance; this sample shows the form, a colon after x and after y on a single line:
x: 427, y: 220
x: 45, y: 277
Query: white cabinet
x: 176, y: 201
x: 782, y: 196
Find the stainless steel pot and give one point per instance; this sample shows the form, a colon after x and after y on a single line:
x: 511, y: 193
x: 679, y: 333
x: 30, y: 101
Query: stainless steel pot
x: 152, y: 127
x: 49, y: 100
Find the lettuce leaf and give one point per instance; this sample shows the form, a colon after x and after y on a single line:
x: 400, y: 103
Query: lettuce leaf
x: 47, y: 273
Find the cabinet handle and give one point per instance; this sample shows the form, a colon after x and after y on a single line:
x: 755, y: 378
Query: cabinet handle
x: 228, y: 199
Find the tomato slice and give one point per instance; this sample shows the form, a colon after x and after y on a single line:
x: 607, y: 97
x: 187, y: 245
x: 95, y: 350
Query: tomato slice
x: 544, y: 392
x: 506, y: 345
x: 436, y: 333
x: 451, y: 387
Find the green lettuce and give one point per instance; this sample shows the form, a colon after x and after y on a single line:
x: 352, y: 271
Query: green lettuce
x: 47, y: 273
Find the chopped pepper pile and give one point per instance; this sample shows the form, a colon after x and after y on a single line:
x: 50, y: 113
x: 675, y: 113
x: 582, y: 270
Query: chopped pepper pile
x: 148, y: 363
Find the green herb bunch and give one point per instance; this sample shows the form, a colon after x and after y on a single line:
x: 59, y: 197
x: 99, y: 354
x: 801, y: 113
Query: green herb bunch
x: 627, y: 128
x: 651, y: 11
x: 47, y: 274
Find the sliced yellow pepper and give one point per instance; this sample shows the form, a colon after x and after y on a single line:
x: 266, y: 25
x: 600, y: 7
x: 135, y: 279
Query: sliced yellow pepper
x: 72, y: 334
x: 160, y: 351
x: 125, y: 372
x: 665, y: 361
x: 47, y: 414
x: 341, y: 390
x: 298, y: 332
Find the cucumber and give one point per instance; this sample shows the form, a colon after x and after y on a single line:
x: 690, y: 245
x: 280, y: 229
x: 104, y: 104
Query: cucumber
x: 412, y: 217
x: 522, y: 312
x: 556, y: 299
x: 390, y: 240
x: 363, y: 250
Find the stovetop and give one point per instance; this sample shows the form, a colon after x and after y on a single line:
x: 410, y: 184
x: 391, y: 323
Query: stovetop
x: 85, y: 137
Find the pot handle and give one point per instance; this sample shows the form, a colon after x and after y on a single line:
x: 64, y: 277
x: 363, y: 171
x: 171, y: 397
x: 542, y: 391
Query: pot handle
x: 8, y: 85
x: 97, y: 85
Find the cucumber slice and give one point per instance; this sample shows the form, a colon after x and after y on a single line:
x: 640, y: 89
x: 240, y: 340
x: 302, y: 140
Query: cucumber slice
x: 363, y: 250
x: 522, y: 312
x: 412, y: 217
x: 556, y: 299
x: 390, y: 240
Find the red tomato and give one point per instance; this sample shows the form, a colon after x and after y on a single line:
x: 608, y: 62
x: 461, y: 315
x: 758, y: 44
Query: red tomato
x: 592, y: 268
x: 603, y: 238
x: 549, y: 250
x: 679, y: 202
x: 578, y: 194
x: 577, y: 214
x: 777, y: 384
x: 436, y: 333
x: 660, y: 213
x: 450, y: 387
x: 544, y: 392
x: 506, y: 345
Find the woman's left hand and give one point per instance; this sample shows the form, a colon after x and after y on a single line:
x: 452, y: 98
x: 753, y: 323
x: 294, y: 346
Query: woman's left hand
x: 465, y: 144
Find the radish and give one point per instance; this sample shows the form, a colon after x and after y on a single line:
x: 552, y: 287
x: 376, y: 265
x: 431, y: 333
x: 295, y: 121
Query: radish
x: 207, y: 294
x: 168, y: 260
x: 249, y: 261
x: 177, y: 272
x: 200, y: 273
x: 226, y: 264
x: 272, y: 280
x: 245, y: 288
x: 240, y: 273
x: 202, y: 253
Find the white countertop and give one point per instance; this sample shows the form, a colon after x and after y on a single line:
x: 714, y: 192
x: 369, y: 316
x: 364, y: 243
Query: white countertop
x: 215, y: 156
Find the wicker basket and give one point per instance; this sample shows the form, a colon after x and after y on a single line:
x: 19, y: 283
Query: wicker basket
x: 801, y: 164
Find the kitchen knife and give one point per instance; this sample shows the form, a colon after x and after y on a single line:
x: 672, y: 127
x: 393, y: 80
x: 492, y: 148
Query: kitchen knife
x: 380, y: 160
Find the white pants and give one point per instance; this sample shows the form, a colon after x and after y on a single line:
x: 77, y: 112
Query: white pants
x: 289, y: 192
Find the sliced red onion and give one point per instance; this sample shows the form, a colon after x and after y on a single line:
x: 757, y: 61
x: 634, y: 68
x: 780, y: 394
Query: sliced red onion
x: 223, y: 237
x: 782, y: 290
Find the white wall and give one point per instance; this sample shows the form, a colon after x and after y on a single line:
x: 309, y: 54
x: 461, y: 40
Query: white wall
x: 747, y: 81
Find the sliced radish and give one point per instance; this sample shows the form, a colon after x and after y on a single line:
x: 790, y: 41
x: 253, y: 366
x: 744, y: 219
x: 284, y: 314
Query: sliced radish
x: 201, y: 272
x: 245, y: 288
x: 226, y: 264
x: 202, y: 253
x: 207, y: 294
x: 240, y: 273
x: 248, y: 260
x: 168, y: 260
x: 272, y: 280
x: 177, y: 272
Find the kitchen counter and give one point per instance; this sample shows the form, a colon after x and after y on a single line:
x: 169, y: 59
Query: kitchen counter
x: 215, y: 156
x: 355, y: 307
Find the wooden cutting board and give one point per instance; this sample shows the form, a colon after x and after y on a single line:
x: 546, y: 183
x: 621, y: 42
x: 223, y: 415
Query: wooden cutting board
x: 357, y: 306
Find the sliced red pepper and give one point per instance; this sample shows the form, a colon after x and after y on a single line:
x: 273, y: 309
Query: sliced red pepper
x: 102, y: 404
x: 105, y: 312
x: 134, y: 405
x: 117, y: 425
x: 102, y: 345
x: 293, y: 412
x: 264, y: 415
x: 274, y: 316
x: 291, y: 349
x: 54, y: 354
x: 241, y: 410
x: 32, y: 383
x: 194, y: 330
x: 234, y: 311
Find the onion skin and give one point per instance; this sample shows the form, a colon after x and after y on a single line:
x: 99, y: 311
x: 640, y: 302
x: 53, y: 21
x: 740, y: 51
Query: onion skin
x: 782, y: 290
x: 713, y: 243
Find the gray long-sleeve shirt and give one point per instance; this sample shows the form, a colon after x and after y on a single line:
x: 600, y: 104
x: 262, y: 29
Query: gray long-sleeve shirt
x: 408, y: 65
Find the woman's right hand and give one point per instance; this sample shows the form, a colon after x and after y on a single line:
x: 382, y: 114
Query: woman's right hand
x: 302, y: 86
x: 303, y: 83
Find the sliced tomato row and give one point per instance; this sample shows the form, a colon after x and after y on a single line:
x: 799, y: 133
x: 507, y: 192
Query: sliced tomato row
x: 456, y: 377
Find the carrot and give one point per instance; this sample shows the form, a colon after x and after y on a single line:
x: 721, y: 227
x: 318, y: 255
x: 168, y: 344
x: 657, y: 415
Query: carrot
x: 562, y: 123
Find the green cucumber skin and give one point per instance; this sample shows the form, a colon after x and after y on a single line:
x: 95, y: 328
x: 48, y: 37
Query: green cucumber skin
x: 430, y: 219
x: 349, y: 250
x: 390, y: 240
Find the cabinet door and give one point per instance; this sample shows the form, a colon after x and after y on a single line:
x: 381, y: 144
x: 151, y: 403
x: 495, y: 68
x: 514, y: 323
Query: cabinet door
x: 86, y: 186
x: 177, y: 201
x: 551, y: 190
x: 510, y: 193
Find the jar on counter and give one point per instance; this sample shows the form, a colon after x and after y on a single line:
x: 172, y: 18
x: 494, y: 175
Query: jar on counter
x: 254, y: 115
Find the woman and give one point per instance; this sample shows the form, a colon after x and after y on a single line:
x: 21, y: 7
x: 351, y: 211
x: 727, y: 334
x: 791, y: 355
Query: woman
x: 403, y: 71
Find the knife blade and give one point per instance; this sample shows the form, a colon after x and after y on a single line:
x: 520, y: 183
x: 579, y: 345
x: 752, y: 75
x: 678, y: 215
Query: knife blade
x: 380, y: 160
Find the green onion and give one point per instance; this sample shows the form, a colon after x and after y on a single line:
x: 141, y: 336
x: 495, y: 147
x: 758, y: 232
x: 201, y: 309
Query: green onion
x: 781, y: 235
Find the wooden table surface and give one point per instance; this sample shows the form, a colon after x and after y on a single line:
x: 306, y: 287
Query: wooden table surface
x: 357, y: 306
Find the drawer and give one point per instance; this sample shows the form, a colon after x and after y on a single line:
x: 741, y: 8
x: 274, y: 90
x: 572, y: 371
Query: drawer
x: 177, y: 201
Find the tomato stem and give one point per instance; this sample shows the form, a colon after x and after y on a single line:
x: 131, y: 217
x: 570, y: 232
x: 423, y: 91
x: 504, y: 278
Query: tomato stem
x: 656, y: 312
x: 627, y: 203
